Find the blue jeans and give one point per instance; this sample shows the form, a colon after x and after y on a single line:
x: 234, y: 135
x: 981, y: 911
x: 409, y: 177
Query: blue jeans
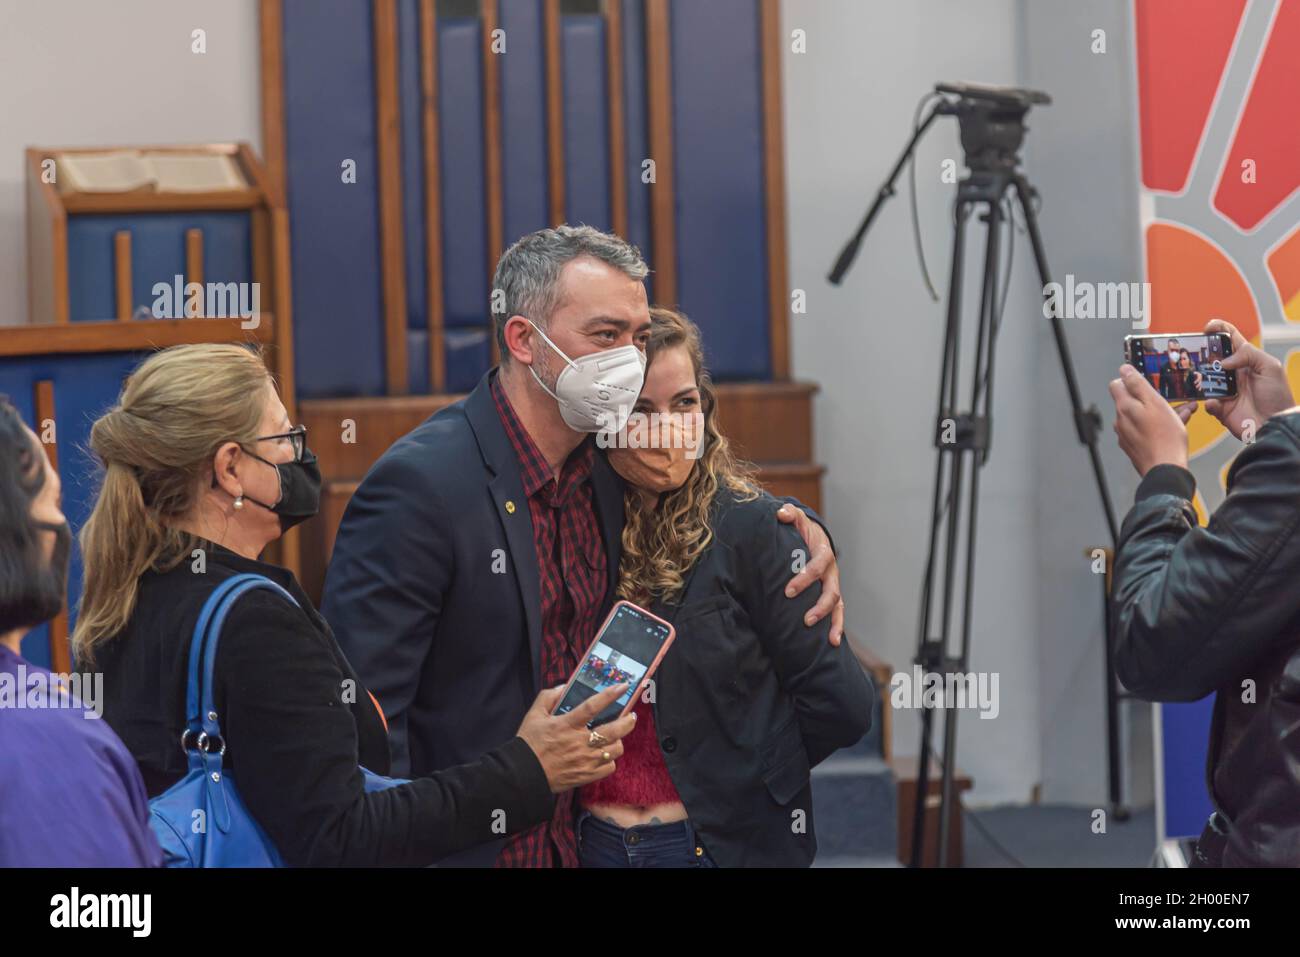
x: 601, y: 844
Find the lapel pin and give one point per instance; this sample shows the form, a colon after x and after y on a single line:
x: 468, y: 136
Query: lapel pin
x: 510, y: 507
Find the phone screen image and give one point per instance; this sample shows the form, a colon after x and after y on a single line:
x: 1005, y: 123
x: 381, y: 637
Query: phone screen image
x: 624, y: 651
x: 1186, y: 367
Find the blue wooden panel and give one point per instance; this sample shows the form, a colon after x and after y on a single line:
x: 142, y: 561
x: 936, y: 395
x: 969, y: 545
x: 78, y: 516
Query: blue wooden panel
x: 586, y: 121
x: 721, y: 219
x: 526, y: 205
x: 85, y: 386
x: 91, y: 280
x: 157, y: 255
x: 636, y: 131
x: 329, y: 92
x: 408, y: 50
x: 469, y: 355
x: 1184, y: 740
x: 35, y: 647
x: 464, y: 201
x: 413, y: 220
x: 417, y: 361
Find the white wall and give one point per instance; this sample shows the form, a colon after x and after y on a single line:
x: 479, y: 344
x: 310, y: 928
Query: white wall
x: 90, y: 73
x: 1083, y: 157
x: 874, y: 346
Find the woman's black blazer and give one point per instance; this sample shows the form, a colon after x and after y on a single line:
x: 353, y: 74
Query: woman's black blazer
x: 748, y: 699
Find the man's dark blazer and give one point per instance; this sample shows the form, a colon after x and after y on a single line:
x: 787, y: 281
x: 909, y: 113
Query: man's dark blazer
x: 433, y: 589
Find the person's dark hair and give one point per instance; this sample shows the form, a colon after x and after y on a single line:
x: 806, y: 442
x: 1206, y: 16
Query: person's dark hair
x: 23, y: 573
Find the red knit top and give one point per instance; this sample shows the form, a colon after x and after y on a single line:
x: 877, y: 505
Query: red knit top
x: 642, y: 776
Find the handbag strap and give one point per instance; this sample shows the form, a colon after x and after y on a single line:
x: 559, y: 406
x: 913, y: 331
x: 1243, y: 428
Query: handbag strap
x: 202, y: 720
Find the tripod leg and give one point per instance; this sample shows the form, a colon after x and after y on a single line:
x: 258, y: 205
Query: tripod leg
x: 1087, y: 422
x: 947, y: 401
x: 1114, y: 769
x: 980, y: 394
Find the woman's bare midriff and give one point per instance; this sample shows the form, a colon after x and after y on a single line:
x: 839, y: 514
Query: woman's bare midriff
x: 632, y: 815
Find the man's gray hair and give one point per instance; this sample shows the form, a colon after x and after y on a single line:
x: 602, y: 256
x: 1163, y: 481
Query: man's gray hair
x: 528, y: 273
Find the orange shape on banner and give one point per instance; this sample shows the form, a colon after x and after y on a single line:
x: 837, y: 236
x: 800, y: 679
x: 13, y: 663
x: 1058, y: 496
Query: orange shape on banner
x: 1192, y: 282
x: 1292, y: 365
x: 1284, y: 267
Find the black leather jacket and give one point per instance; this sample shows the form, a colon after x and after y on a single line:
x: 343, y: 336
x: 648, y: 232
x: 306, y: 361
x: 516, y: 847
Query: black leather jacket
x: 1198, y: 610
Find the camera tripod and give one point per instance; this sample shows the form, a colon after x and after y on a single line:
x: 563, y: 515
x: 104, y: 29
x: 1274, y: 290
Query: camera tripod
x: 992, y: 129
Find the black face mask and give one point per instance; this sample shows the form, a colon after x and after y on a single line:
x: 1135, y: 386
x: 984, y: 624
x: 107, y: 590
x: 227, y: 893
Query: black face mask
x: 49, y: 586
x: 299, y: 490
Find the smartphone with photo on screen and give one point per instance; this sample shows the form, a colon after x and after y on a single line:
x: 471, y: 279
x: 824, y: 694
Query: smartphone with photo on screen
x: 1186, y: 367
x: 628, y: 648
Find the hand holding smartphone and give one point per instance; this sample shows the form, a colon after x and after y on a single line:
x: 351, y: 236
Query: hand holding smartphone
x: 1187, y: 367
x: 628, y: 647
x: 563, y: 743
x: 1263, y: 389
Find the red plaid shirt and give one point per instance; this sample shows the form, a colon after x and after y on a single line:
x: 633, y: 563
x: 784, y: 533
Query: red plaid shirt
x: 572, y: 566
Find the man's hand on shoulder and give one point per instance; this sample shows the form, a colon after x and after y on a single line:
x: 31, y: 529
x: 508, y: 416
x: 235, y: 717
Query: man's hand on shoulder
x: 821, y: 566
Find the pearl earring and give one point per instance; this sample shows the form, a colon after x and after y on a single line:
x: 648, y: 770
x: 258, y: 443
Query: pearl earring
x: 239, y: 502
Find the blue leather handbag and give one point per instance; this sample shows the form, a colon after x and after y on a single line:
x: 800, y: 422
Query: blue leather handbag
x: 200, y: 821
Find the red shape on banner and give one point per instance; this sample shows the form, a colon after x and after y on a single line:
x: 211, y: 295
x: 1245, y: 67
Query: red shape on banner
x: 1182, y: 49
x: 1268, y: 135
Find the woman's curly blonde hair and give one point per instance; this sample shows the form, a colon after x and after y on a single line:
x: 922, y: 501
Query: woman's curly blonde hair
x: 660, y: 546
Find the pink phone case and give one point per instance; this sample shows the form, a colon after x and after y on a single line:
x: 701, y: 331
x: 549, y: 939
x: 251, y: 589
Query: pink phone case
x: 650, y: 670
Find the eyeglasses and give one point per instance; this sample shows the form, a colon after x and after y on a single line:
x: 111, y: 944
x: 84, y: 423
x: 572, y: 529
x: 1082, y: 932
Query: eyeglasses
x: 297, y: 436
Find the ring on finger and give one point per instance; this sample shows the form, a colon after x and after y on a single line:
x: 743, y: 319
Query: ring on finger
x: 606, y: 757
x: 595, y: 739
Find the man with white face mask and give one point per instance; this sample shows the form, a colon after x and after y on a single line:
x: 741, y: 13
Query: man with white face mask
x: 480, y: 554
x: 596, y: 393
x: 1168, y: 368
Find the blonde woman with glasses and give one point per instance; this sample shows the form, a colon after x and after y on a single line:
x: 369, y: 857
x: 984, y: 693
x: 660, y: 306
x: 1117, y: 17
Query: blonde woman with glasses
x: 202, y: 471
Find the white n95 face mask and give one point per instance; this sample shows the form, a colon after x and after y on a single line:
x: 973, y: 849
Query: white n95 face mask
x: 596, y: 393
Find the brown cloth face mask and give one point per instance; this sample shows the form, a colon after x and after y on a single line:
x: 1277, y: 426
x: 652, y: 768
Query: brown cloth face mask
x: 665, y: 467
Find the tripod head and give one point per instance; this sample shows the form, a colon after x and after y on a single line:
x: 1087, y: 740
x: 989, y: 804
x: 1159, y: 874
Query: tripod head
x: 992, y: 122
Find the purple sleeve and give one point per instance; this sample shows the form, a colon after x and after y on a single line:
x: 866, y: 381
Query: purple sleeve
x: 70, y: 793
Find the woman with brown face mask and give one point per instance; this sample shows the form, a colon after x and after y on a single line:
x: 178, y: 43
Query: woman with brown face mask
x: 748, y: 699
